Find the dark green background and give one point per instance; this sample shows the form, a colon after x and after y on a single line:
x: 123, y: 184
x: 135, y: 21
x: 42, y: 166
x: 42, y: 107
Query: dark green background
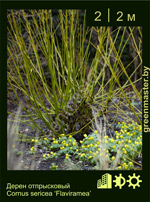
x: 79, y: 180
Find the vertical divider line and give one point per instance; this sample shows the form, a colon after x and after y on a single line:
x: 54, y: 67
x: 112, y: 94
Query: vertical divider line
x: 108, y: 14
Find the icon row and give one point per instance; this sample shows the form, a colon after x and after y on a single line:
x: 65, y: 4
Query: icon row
x: 120, y: 181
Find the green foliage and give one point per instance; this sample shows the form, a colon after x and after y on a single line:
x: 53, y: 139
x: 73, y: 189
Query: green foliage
x: 127, y: 142
x: 53, y: 167
x: 90, y: 148
x: 62, y: 145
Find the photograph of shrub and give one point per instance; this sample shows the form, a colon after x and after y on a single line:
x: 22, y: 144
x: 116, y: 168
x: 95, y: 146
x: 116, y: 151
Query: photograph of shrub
x: 74, y: 93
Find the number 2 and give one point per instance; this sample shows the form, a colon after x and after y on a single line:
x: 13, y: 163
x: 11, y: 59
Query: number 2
x: 121, y: 14
x: 98, y: 17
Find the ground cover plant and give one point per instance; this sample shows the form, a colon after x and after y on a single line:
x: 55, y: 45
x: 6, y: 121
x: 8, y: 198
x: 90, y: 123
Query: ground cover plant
x: 77, y: 90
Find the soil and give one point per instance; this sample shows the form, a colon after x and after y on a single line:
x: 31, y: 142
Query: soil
x: 22, y: 160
